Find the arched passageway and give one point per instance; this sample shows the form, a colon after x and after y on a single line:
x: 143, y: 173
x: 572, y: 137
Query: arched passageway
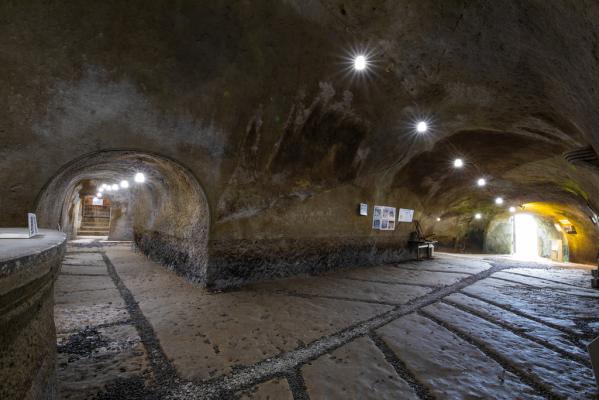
x: 167, y: 215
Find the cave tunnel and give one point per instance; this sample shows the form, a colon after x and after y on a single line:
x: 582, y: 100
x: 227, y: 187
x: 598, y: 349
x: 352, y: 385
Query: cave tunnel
x: 132, y: 196
x: 299, y: 199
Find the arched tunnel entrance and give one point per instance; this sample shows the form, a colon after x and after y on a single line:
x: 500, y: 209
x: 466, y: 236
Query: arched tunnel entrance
x: 543, y: 229
x: 167, y: 215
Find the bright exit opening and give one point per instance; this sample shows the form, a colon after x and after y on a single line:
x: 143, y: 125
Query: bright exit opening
x: 525, y: 236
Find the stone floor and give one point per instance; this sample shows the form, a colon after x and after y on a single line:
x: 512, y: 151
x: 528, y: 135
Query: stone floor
x: 451, y: 328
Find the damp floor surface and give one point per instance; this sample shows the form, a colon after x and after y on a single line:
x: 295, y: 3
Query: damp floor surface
x: 456, y: 327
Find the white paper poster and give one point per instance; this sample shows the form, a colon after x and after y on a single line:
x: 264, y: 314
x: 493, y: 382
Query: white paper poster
x: 363, y: 209
x: 383, y: 218
x: 405, y: 215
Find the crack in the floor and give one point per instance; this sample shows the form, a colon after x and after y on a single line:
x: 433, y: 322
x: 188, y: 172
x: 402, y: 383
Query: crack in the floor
x: 521, y: 333
x: 528, y: 285
x: 391, y: 283
x: 513, y: 310
x: 430, y: 270
x: 82, y: 290
x: 324, y: 296
x: 82, y: 265
x: 550, y: 280
x: 541, y: 388
x: 401, y: 368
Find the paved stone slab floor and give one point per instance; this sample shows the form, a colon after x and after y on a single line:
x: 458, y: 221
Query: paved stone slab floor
x: 455, y: 327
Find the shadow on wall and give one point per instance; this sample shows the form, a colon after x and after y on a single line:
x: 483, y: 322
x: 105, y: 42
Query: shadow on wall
x: 499, y: 236
x: 169, y: 213
x: 459, y: 234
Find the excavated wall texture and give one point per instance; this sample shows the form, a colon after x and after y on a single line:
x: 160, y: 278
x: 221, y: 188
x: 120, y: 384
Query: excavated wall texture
x: 258, y: 102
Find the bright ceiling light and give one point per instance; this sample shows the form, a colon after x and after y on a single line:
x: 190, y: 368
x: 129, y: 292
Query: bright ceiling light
x: 478, y: 215
x: 421, y: 127
x: 360, y: 63
x: 109, y: 188
x: 124, y: 184
x: 101, y: 189
x: 115, y: 186
x: 458, y: 163
x: 481, y: 182
x: 499, y: 201
x: 438, y: 219
x: 512, y: 209
x: 99, y: 194
x: 139, y: 178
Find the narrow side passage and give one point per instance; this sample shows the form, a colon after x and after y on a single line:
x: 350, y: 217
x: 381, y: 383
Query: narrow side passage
x: 166, y: 213
x: 454, y: 327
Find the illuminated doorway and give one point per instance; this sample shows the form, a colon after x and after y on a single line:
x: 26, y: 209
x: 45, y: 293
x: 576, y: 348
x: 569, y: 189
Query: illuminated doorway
x: 525, y: 236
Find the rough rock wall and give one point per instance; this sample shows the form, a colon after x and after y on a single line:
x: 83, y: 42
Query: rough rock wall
x: 499, y: 236
x: 258, y: 101
x: 254, y: 260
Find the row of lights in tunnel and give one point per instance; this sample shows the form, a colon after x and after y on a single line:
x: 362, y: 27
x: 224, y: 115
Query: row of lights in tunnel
x: 124, y: 184
x: 361, y: 64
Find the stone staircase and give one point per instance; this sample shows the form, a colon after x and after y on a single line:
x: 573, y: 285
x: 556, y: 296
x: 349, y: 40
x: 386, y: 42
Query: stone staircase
x: 95, y: 222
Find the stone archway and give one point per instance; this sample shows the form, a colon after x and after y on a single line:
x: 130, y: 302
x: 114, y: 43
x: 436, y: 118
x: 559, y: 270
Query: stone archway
x: 168, y: 215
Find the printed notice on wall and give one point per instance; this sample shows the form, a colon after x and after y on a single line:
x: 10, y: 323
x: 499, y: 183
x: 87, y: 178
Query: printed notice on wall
x: 405, y: 215
x: 96, y: 201
x: 383, y: 218
x: 363, y: 209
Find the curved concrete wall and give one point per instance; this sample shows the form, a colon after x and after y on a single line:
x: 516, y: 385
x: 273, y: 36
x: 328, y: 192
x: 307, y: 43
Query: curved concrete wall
x: 28, y: 268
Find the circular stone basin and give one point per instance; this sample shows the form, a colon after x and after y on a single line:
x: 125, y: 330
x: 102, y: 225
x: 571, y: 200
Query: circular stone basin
x: 11, y: 249
x: 28, y: 269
